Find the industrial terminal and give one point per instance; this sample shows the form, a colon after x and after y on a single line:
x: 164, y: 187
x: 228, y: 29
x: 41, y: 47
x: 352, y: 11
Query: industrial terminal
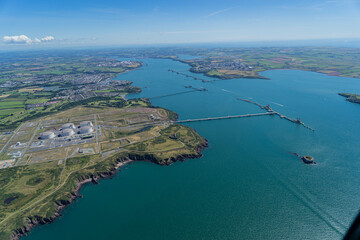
x: 70, y: 135
x: 66, y: 135
x: 68, y: 130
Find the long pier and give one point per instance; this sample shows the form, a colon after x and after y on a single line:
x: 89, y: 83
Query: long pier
x: 224, y: 117
x: 186, y: 75
x: 193, y: 89
x: 173, y: 94
x: 270, y: 110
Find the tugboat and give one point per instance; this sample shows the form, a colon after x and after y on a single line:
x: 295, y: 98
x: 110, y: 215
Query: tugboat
x: 308, y: 159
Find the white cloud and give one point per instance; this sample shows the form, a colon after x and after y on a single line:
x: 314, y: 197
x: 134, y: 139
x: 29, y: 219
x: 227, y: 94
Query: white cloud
x: 47, y: 39
x: 36, y: 40
x: 23, y: 39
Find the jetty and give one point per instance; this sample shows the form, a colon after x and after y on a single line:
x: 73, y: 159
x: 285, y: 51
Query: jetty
x: 270, y: 110
x: 189, y: 76
x: 197, y: 89
x: 193, y: 89
x: 224, y: 117
x: 173, y: 94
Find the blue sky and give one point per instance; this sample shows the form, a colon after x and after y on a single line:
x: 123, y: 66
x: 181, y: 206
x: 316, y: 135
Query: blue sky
x: 110, y: 22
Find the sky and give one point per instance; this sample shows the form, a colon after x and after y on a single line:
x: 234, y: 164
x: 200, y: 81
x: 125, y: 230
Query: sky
x: 44, y: 23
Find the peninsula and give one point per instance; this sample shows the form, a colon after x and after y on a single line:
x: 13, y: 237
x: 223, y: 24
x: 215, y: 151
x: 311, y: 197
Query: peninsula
x: 354, y: 98
x: 236, y: 62
x: 45, y: 161
x: 64, y: 128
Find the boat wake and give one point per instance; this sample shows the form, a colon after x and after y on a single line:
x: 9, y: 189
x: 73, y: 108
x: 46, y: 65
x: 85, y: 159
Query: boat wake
x: 228, y: 91
x: 308, y: 202
x: 237, y: 94
x: 277, y: 104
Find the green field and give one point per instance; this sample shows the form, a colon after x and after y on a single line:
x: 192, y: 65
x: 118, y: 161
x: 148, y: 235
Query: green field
x: 11, y: 104
x: 36, y: 191
x: 7, y: 112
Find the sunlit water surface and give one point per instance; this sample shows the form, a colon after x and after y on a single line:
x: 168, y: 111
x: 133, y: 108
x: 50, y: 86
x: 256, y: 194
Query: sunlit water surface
x: 247, y: 185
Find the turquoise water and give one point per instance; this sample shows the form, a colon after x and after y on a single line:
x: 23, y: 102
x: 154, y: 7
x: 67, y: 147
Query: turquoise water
x: 247, y: 185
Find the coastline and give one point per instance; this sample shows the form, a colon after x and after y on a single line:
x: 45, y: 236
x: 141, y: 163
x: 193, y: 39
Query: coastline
x: 228, y: 77
x: 258, y: 76
x: 168, y: 161
x: 36, y: 220
x: 61, y: 205
x: 353, y: 98
x: 32, y: 221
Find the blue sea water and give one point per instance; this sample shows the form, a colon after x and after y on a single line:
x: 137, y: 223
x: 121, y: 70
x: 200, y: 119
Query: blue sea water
x: 247, y: 185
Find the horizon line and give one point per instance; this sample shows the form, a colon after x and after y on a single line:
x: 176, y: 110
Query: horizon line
x: 144, y: 45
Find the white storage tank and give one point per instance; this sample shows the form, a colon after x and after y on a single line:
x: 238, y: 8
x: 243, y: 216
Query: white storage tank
x: 68, y: 125
x: 86, y: 123
x: 47, y: 135
x: 67, y: 132
x: 86, y: 129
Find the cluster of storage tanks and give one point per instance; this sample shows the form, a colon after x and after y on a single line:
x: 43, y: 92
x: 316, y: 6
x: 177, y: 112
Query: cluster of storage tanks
x: 69, y: 129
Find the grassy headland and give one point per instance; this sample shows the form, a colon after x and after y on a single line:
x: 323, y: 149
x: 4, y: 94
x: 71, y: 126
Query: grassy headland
x: 41, y: 92
x: 354, y: 98
x: 35, y: 191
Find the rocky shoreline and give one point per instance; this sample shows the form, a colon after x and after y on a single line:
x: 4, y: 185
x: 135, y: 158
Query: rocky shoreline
x: 354, y: 98
x: 60, y: 205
